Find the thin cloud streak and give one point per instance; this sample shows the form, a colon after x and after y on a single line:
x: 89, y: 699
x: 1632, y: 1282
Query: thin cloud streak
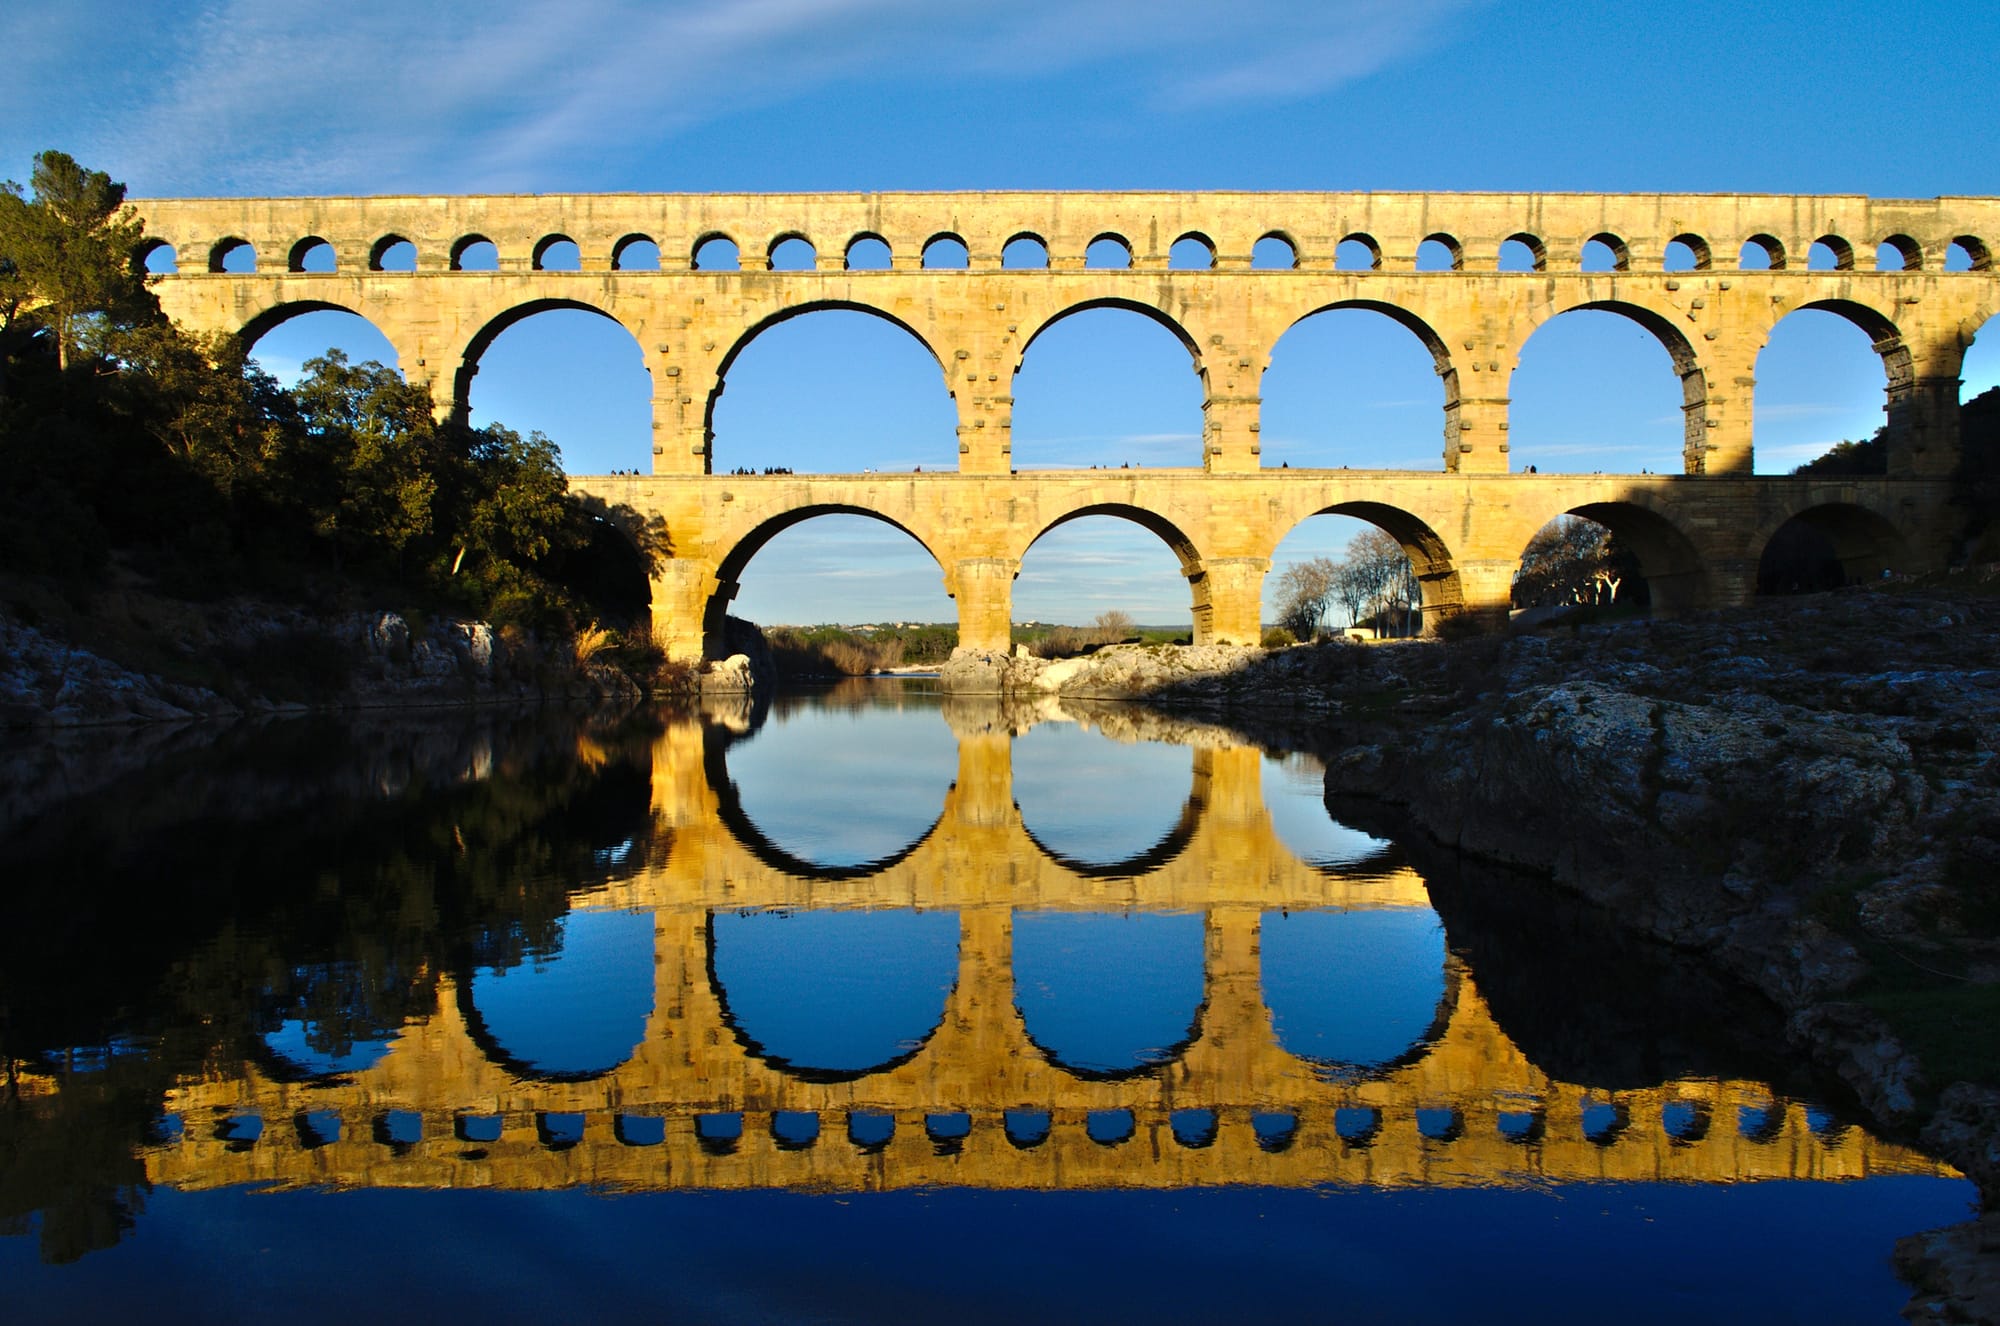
x: 268, y: 96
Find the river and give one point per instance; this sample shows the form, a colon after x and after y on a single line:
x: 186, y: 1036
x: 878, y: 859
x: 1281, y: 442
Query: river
x: 864, y: 1005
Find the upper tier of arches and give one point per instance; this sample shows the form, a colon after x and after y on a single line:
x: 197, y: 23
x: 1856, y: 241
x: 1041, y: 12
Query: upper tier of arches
x: 1564, y: 232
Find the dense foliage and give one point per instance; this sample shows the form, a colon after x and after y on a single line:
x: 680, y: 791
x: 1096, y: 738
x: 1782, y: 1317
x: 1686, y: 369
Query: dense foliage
x: 124, y: 440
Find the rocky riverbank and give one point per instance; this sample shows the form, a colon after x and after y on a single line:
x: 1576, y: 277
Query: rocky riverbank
x: 1805, y: 793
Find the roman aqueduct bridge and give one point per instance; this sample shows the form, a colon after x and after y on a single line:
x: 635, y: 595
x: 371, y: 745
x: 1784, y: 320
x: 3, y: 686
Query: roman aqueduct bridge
x: 1699, y: 534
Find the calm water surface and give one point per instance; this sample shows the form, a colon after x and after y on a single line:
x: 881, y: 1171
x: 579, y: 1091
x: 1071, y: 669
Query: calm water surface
x: 865, y: 1006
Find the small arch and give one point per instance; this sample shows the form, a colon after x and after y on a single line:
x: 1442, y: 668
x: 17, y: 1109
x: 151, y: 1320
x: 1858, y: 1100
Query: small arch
x: 557, y: 253
x: 399, y: 1130
x: 1761, y: 253
x: 392, y: 253
x: 558, y: 1130
x: 157, y: 258
x: 1830, y: 253
x: 1025, y: 252
x: 794, y: 1130
x: 1275, y: 252
x: 1439, y: 590
x: 947, y: 1131
x: 715, y: 253
x: 478, y: 1129
x: 1525, y: 1127
x: 1523, y: 253
x: 1109, y: 252
x: 1685, y: 1122
x: 1193, y: 1129
x: 1440, y: 1123
x: 1357, y: 253
x: 1604, y: 1122
x: 1760, y: 1124
x: 639, y: 1129
x: 791, y: 253
x: 1899, y: 253
x: 946, y: 252
x: 1440, y: 253
x: 311, y: 254
x: 1027, y: 1129
x: 1968, y: 254
x: 475, y: 253
x: 1686, y: 253
x: 635, y: 253
x: 868, y: 253
x: 1828, y: 546
x: 233, y: 255
x: 1192, y: 252
x: 1357, y: 1125
x: 1109, y: 1127
x: 1275, y: 1130
x: 719, y: 1134
x: 870, y: 1130
x: 1605, y: 252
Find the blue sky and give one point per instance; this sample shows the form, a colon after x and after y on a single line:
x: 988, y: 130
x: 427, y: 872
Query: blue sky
x: 373, y: 96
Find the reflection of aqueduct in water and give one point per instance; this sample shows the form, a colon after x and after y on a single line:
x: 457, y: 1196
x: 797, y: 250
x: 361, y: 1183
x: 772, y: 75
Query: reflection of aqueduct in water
x: 1699, y: 536
x: 977, y: 1102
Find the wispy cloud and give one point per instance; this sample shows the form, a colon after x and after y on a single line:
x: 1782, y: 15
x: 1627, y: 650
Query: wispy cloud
x: 284, y: 95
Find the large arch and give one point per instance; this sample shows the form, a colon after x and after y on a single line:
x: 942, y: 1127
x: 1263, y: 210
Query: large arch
x: 1796, y: 362
x: 1430, y: 557
x: 361, y: 338
x: 1141, y: 975
x: 1827, y: 545
x: 1169, y: 432
x: 1274, y: 422
x: 624, y: 425
x: 1132, y: 548
x: 1685, y: 364
x: 572, y: 1014
x: 742, y: 548
x: 833, y: 995
x: 1677, y: 576
x: 946, y: 453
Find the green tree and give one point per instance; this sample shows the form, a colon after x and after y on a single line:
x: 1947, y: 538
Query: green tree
x: 67, y: 254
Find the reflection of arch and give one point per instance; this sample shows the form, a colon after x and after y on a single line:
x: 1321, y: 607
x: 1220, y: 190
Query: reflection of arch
x: 1273, y: 980
x: 786, y: 315
x: 805, y: 1072
x: 729, y: 810
x: 483, y: 339
x: 1159, y: 1056
x: 1673, y: 567
x: 481, y: 1032
x: 1862, y: 542
x: 1429, y: 557
x: 1687, y: 367
x: 1157, y: 857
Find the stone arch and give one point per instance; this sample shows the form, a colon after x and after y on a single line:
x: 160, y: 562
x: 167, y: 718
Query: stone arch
x: 1905, y: 248
x: 866, y: 237
x: 1887, y: 340
x: 277, y: 315
x: 1978, y: 255
x: 156, y: 257
x: 932, y: 257
x: 1677, y: 575
x: 1367, y: 243
x: 786, y: 315
x: 379, y: 250
x: 545, y: 245
x: 1034, y: 247
x: 463, y: 245
x: 1451, y: 246
x: 1410, y: 321
x: 708, y: 237
x: 1108, y: 251
x: 1538, y: 252
x: 1621, y: 253
x: 1704, y: 259
x: 295, y: 261
x: 479, y: 1021
x: 1156, y: 314
x: 468, y: 366
x: 625, y: 244
x: 1178, y: 543
x: 226, y: 248
x: 1771, y: 246
x: 748, y: 544
x: 783, y: 238
x: 1200, y: 239
x: 1430, y: 557
x: 1842, y: 251
x: 1137, y: 866
x: 1862, y: 542
x: 1687, y: 367
x: 1280, y: 251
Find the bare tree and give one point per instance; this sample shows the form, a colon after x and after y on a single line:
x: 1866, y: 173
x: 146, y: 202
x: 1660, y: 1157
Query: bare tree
x: 1571, y: 560
x: 1305, y: 593
x: 1112, y: 626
